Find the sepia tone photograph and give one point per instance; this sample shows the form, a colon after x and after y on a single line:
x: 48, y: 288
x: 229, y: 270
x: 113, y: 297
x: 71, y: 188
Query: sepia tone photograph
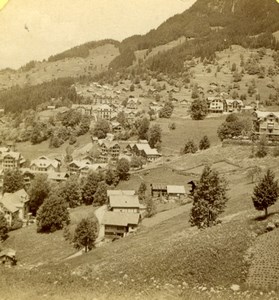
x: 139, y: 149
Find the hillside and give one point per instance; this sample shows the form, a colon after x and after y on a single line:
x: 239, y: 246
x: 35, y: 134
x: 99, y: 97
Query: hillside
x: 208, y: 26
x: 72, y: 63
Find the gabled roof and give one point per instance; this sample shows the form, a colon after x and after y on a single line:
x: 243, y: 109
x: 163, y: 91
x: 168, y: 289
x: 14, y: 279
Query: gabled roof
x: 175, y: 189
x: 151, y: 151
x: 120, y: 192
x: 44, y: 162
x: 15, y: 155
x: 128, y: 201
x: 264, y: 114
x: 14, y: 201
x: 158, y: 186
x: 120, y: 219
x: 231, y: 101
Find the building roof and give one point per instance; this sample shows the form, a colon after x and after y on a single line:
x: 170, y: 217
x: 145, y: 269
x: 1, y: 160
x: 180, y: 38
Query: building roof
x: 58, y: 176
x: 159, y: 186
x: 126, y: 201
x: 264, y: 114
x: 14, y: 201
x: 175, y: 189
x: 120, y: 219
x: 120, y: 192
x: 151, y: 151
x: 44, y: 162
x: 231, y: 101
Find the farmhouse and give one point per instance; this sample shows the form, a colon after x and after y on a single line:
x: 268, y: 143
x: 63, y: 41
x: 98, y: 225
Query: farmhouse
x: 150, y: 154
x: 15, y: 205
x: 158, y: 190
x: 120, y: 224
x: 266, y: 123
x: 45, y: 164
x: 8, y: 257
x: 233, y: 105
x: 175, y: 191
x: 143, y: 149
x: 124, y: 203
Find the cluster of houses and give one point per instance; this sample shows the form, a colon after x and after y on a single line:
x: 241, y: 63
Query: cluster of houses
x: 221, y: 105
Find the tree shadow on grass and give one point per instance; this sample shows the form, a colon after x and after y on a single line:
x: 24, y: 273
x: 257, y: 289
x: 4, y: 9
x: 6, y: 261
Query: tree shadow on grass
x: 263, y: 217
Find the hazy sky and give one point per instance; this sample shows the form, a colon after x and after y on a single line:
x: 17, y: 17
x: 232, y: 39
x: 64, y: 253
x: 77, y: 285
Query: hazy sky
x: 35, y: 29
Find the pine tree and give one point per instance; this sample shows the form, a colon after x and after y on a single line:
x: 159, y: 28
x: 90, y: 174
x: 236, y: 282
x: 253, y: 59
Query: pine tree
x: 265, y: 192
x: 52, y: 215
x: 209, y: 199
x: 3, y: 227
x: 85, y: 234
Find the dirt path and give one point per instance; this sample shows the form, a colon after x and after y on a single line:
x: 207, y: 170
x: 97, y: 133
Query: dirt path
x: 165, y: 215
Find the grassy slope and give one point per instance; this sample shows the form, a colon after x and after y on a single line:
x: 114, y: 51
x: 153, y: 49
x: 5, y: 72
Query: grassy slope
x: 98, y: 61
x: 35, y: 249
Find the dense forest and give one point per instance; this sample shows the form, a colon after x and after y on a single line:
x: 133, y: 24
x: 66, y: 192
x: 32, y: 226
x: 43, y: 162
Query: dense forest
x: 18, y: 99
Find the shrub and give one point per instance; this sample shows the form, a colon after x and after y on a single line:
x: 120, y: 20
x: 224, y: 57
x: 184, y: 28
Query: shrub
x: 204, y: 143
x: 190, y: 147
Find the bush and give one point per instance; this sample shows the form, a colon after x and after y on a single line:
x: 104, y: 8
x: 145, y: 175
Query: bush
x: 204, y: 143
x: 190, y: 147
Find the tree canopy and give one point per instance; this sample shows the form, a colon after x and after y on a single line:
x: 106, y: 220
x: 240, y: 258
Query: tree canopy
x: 38, y: 192
x: 12, y: 181
x: 209, y: 199
x: 52, y: 214
x: 85, y: 234
x: 198, y: 109
x: 265, y: 192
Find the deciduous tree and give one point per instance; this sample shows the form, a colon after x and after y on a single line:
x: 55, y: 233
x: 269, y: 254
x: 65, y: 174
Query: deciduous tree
x: 52, y: 214
x: 154, y: 135
x: 265, y: 192
x: 12, y: 181
x: 85, y: 234
x: 198, y: 109
x: 38, y: 192
x: 123, y: 168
